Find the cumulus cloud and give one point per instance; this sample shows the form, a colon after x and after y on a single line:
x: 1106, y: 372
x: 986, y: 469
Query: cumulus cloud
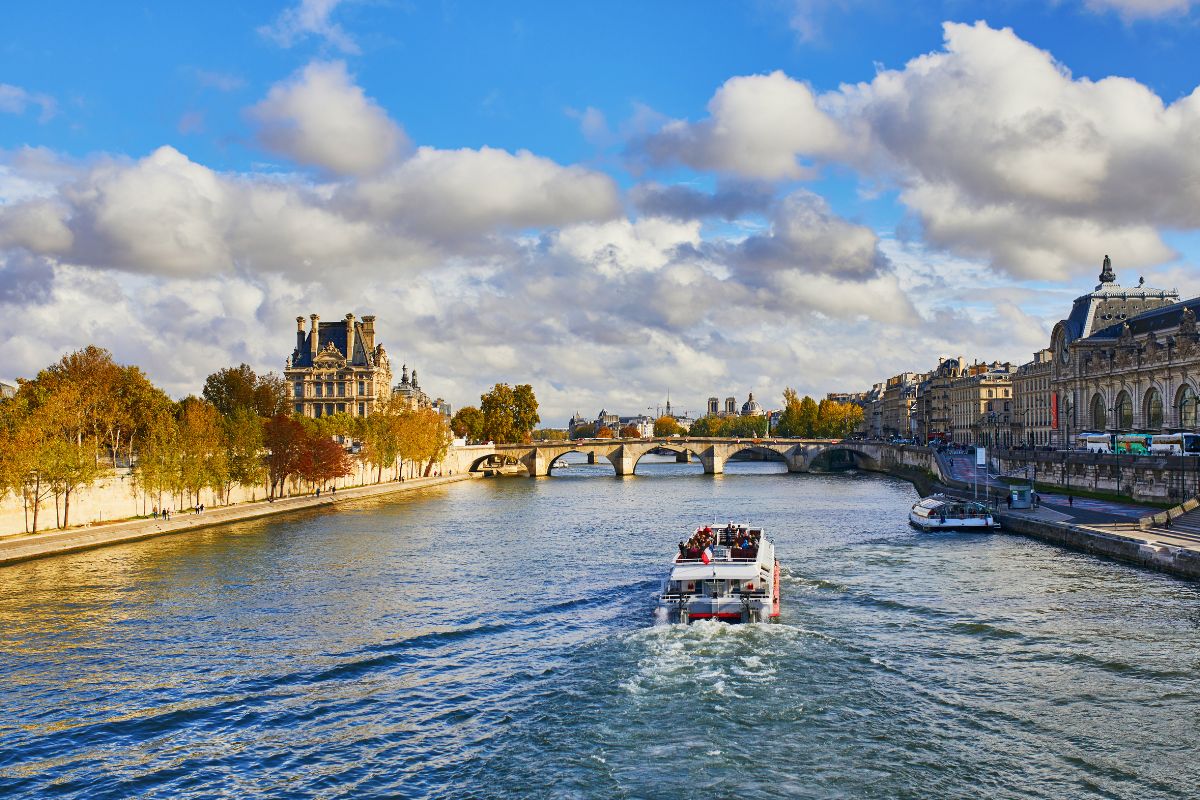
x: 320, y: 117
x: 759, y: 126
x: 996, y: 148
x: 456, y: 192
x: 310, y: 18
x: 15, y: 100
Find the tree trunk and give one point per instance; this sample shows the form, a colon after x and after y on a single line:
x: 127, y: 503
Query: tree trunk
x: 66, y: 508
x: 37, y: 493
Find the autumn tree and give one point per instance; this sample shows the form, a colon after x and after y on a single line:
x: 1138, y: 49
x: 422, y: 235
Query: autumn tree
x: 604, y: 432
x: 668, y: 426
x: 509, y: 414
x: 631, y: 432
x: 237, y: 387
x: 283, y: 439
x: 200, y: 441
x: 468, y: 423
x: 242, y: 439
x: 322, y: 460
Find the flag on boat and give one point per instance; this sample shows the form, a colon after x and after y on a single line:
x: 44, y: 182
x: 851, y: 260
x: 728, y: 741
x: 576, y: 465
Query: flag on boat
x: 706, y: 555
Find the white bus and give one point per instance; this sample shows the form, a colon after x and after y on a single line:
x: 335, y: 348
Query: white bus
x: 1095, y: 442
x: 1175, y: 444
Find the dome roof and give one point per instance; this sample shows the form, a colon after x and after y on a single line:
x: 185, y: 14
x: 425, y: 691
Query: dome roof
x: 751, y: 408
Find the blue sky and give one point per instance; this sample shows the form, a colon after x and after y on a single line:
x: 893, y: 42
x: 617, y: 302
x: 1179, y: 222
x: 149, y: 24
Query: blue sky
x: 365, y: 156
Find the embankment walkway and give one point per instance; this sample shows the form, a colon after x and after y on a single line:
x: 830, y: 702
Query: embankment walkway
x: 24, y: 547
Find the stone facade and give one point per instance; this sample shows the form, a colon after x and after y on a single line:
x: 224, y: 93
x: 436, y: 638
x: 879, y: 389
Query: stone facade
x: 935, y: 420
x: 981, y: 405
x: 7, y: 390
x: 1032, y: 401
x: 1125, y: 360
x: 899, y: 404
x: 337, y: 368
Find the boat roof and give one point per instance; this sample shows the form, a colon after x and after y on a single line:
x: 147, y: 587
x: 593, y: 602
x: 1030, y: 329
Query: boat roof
x: 722, y: 570
x: 937, y: 500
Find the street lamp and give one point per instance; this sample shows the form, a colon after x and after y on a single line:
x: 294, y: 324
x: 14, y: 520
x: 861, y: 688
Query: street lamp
x: 1116, y: 426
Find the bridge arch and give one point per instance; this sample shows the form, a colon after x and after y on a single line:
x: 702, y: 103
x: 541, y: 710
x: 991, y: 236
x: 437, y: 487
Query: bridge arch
x: 842, y: 456
x: 593, y: 456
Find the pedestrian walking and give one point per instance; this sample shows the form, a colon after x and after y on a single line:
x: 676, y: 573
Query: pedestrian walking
x: 1071, y: 500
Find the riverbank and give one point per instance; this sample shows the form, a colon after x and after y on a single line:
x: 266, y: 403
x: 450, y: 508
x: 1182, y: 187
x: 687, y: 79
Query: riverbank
x: 39, y: 545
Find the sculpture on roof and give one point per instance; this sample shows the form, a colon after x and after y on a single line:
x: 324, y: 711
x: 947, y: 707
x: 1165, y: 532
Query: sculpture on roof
x: 1106, y: 271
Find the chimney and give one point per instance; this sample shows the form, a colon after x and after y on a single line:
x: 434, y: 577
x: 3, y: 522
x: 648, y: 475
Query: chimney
x: 368, y: 324
x: 314, y: 345
x: 350, y: 337
x: 299, y: 335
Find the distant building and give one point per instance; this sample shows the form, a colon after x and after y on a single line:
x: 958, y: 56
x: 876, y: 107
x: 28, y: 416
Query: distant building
x: 7, y: 390
x: 1031, y: 423
x: 752, y: 408
x: 337, y: 368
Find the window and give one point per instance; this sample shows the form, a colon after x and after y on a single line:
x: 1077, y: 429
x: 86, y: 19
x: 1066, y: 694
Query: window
x: 362, y: 387
x: 329, y: 409
x: 341, y: 408
x: 317, y: 410
x: 362, y: 409
x: 989, y: 393
x: 1153, y: 406
x: 1186, y: 401
x: 1099, y: 418
x: 341, y: 389
x: 318, y: 387
x: 298, y: 390
x: 299, y: 408
x: 329, y: 390
x: 1124, y: 411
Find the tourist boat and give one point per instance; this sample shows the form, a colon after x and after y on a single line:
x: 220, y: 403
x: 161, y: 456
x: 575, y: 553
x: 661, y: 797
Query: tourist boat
x: 939, y: 512
x: 727, y: 572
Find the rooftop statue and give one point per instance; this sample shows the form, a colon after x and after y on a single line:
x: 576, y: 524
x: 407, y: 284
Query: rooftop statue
x: 1106, y: 272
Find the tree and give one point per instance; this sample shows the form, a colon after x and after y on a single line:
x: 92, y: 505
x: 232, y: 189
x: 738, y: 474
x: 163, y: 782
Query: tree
x: 322, y: 460
x: 550, y: 435
x: 790, y: 424
x: 525, y: 410
x: 667, y: 426
x: 605, y: 432
x: 808, y: 417
x: 284, y: 440
x: 497, y: 408
x: 631, y: 432
x: 706, y: 427
x: 468, y: 424
x: 242, y: 438
x: 202, y: 462
x: 157, y: 464
x: 585, y: 430
x: 237, y: 387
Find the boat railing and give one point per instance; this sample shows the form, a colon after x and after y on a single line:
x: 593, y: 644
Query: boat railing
x: 729, y: 560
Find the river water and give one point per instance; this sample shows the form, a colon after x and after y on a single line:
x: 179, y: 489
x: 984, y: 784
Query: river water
x: 496, y: 639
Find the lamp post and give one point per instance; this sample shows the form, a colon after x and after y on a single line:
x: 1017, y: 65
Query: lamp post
x: 1116, y: 447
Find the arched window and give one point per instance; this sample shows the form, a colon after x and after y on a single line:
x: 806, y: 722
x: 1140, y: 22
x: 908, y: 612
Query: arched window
x: 1099, y: 418
x: 1153, y: 406
x: 1186, y: 402
x: 1124, y: 411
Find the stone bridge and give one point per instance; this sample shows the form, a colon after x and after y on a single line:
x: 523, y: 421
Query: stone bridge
x: 538, y: 458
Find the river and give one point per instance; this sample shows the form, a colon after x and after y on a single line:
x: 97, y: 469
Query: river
x: 496, y: 639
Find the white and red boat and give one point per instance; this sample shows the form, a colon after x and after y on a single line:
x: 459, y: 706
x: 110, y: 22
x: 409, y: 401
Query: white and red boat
x: 724, y: 572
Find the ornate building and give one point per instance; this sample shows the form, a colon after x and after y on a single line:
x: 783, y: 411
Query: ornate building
x: 337, y: 368
x: 1031, y: 401
x: 752, y: 408
x: 981, y: 405
x: 934, y: 418
x: 1125, y: 360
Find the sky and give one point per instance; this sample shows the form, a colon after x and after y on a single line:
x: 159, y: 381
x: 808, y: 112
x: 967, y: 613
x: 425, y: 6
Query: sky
x: 607, y: 201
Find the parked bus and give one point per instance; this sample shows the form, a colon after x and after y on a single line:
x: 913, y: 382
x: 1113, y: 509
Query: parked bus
x: 1137, y: 444
x: 1176, y: 444
x: 1095, y: 442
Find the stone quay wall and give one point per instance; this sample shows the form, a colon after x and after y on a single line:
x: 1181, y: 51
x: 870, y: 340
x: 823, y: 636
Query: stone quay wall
x: 1143, y: 478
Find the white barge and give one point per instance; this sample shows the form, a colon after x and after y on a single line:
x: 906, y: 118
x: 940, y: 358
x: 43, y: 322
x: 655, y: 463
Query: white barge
x: 942, y: 513
x: 727, y: 573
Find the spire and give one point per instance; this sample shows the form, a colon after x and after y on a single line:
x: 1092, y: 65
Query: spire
x: 1106, y: 271
x: 404, y: 375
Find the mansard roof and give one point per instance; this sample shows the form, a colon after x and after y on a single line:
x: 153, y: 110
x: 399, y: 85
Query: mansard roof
x: 1084, y: 316
x: 1166, y: 318
x: 334, y: 333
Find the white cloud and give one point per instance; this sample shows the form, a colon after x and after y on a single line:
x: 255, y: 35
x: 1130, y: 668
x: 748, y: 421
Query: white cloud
x: 1141, y: 9
x: 310, y: 18
x: 459, y: 192
x: 758, y: 127
x: 15, y: 100
x: 320, y: 118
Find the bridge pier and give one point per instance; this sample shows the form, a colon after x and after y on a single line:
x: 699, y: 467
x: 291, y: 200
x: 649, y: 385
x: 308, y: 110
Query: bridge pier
x: 713, y: 462
x: 683, y: 458
x: 538, y: 463
x: 623, y: 461
x: 592, y: 457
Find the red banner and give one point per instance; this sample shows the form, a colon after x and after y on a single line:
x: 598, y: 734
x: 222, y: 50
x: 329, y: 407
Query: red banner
x: 1054, y: 410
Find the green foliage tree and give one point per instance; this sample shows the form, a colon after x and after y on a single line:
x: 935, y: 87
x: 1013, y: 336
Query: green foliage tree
x: 585, y: 430
x: 550, y: 435
x: 468, y: 423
